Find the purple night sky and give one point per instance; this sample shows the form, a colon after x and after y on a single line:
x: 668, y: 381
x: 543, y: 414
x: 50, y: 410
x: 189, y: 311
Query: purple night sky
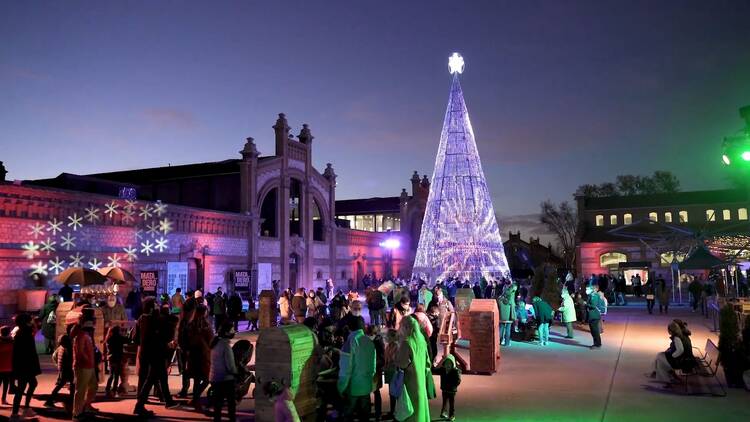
x: 560, y: 93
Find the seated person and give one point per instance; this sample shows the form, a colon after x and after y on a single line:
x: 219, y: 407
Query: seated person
x: 678, y: 356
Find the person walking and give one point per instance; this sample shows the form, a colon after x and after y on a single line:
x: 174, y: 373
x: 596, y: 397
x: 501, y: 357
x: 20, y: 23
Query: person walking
x: 357, y: 366
x: 593, y: 316
x: 199, y: 338
x: 223, y: 372
x: 696, y: 289
x: 413, y: 359
x: 115, y: 345
x: 6, y: 361
x: 507, y: 308
x: 568, y: 312
x: 25, y: 366
x: 650, y: 292
x: 84, y: 369
x: 63, y: 359
x: 662, y: 294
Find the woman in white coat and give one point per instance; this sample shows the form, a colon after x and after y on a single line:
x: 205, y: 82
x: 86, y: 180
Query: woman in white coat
x: 568, y: 311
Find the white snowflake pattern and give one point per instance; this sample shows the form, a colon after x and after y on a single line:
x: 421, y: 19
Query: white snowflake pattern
x: 131, y: 253
x: 30, y: 250
x: 161, y: 244
x: 54, y: 226
x: 153, y: 229
x: 76, y: 260
x: 130, y: 205
x: 67, y: 241
x: 94, y: 264
x: 138, y: 233
x: 146, y: 211
x: 165, y: 226
x: 48, y: 245
x: 56, y: 265
x: 147, y: 247
x: 127, y: 216
x: 75, y: 221
x: 39, y: 268
x: 160, y: 208
x: 37, y: 229
x: 92, y: 215
x: 111, y: 209
x: 114, y: 261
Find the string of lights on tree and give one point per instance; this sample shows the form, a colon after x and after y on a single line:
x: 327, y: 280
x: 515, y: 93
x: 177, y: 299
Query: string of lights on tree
x: 56, y: 244
x: 460, y: 236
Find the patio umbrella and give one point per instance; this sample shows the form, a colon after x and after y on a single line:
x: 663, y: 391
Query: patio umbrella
x: 81, y: 276
x: 701, y: 259
x: 117, y: 274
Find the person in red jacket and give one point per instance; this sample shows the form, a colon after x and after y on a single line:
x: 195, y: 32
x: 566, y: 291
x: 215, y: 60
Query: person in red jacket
x: 83, y: 369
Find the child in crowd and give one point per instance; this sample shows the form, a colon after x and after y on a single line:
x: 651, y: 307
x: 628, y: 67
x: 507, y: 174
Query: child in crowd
x: 283, y: 399
x: 6, y: 362
x: 389, y: 364
x: 521, y: 314
x: 115, y: 344
x: 63, y: 359
x: 450, y: 378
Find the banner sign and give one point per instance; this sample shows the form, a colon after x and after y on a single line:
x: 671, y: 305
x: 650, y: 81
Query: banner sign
x: 149, y: 282
x: 242, y: 280
x: 265, y: 272
x: 177, y: 275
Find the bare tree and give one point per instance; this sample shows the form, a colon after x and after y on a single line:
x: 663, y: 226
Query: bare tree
x: 561, y: 220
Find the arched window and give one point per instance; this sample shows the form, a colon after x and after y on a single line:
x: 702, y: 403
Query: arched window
x: 742, y: 214
x: 726, y: 215
x: 710, y: 215
x: 318, y: 224
x: 319, y: 275
x: 295, y: 208
x: 627, y: 218
x: 599, y: 220
x: 613, y: 220
x: 667, y: 217
x: 268, y: 214
x: 683, y: 216
x: 611, y: 259
x: 653, y: 216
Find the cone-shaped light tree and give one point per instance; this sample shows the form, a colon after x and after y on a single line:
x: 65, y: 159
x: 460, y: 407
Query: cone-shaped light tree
x: 460, y: 236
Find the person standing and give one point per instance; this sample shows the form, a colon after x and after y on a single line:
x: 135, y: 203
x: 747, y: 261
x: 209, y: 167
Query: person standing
x: 285, y: 307
x: 219, y: 307
x: 234, y: 309
x: 450, y: 379
x: 199, y: 338
x: 6, y: 361
x: 115, y: 345
x: 223, y: 372
x: 25, y: 366
x: 84, y: 368
x: 507, y: 308
x: 49, y: 321
x: 543, y: 313
x: 650, y: 292
x: 357, y: 366
x: 66, y: 293
x: 299, y: 305
x: 568, y: 311
x: 696, y: 289
x: 413, y: 359
x: 177, y: 301
x: 662, y: 294
x: 594, y: 316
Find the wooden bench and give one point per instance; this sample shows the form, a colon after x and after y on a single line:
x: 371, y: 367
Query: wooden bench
x: 707, y: 365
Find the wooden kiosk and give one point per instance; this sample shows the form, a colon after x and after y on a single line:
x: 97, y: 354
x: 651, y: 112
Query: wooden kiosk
x: 266, y: 309
x: 484, y: 351
x: 287, y: 355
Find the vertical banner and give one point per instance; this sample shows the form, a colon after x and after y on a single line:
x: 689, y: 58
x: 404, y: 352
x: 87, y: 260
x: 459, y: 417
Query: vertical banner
x: 242, y: 280
x: 177, y: 276
x: 265, y: 272
x: 149, y: 282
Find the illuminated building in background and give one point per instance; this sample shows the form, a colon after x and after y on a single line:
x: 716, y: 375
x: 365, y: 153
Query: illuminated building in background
x: 460, y: 236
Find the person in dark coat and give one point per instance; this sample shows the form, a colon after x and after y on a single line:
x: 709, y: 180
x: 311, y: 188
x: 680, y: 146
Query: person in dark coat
x: 543, y: 313
x: 450, y: 379
x: 66, y: 293
x: 234, y: 309
x: 662, y: 294
x: 25, y: 365
x: 650, y: 291
x: 199, y: 337
x: 594, y: 316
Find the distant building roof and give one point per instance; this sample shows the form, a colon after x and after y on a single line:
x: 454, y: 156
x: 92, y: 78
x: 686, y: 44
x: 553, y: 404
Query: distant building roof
x: 153, y: 174
x: 390, y: 204
x: 668, y: 199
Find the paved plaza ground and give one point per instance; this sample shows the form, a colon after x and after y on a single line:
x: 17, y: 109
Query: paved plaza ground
x: 564, y: 381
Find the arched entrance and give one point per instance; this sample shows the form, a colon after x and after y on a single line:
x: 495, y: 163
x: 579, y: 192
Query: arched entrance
x: 294, y: 266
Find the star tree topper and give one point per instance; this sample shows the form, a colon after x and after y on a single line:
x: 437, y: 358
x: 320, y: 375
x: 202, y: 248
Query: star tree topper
x: 456, y: 63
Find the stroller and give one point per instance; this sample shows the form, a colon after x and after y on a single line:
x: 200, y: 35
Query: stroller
x: 243, y: 353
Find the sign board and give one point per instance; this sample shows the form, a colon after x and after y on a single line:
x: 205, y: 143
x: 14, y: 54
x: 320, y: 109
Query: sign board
x: 265, y: 274
x: 177, y: 276
x: 149, y: 282
x: 242, y: 280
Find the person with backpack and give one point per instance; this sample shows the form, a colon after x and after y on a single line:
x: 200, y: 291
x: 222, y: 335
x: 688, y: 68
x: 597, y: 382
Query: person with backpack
x: 593, y: 316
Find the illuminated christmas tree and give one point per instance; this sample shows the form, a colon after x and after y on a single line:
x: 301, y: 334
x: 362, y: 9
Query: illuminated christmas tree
x: 460, y: 236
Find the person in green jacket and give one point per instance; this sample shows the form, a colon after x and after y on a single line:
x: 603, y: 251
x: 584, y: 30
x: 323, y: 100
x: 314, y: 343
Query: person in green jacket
x: 357, y: 370
x: 507, y: 308
x: 413, y: 359
x: 543, y: 313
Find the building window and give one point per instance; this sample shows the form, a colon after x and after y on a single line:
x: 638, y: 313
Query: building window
x: 319, y: 275
x: 627, y: 219
x: 653, y: 216
x: 667, y: 217
x: 612, y: 259
x: 668, y: 257
x: 742, y: 214
x: 710, y: 215
x: 726, y: 215
x: 613, y: 220
x: 683, y: 217
x: 599, y: 220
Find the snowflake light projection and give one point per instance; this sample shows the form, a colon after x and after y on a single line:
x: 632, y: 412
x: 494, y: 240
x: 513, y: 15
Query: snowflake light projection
x: 56, y: 236
x: 460, y: 236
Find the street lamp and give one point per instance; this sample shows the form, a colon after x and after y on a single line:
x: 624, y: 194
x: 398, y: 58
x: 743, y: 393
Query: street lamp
x: 388, y: 246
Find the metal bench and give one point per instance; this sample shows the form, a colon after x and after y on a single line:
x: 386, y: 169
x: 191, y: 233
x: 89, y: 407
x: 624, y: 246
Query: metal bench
x: 706, y: 365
